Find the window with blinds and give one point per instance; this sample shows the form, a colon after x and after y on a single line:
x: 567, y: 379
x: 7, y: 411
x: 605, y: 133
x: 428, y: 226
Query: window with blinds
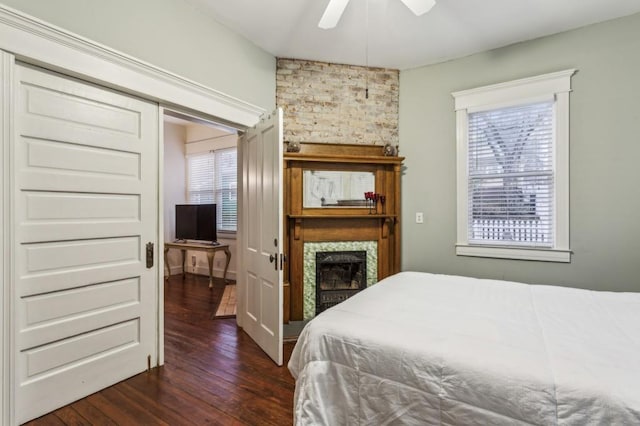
x: 212, y: 178
x: 510, y: 182
x: 512, y: 169
x: 225, y: 188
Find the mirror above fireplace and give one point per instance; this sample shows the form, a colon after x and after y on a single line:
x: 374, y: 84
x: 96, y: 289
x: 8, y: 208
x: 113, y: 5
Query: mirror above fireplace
x: 336, y: 188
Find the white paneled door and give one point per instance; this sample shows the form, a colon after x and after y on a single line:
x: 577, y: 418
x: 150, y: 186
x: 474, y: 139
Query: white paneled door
x: 85, y: 207
x: 261, y: 229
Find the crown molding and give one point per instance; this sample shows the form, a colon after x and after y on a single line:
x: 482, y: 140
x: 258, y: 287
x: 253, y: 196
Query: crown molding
x: 40, y: 43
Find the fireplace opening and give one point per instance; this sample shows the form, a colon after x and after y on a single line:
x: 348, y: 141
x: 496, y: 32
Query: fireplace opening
x: 339, y: 275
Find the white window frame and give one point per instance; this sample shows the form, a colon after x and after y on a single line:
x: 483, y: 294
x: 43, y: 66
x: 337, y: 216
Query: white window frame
x: 225, y: 233
x: 554, y: 86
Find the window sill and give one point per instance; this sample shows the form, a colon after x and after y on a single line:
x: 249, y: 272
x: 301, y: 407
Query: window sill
x: 543, y: 255
x: 226, y: 235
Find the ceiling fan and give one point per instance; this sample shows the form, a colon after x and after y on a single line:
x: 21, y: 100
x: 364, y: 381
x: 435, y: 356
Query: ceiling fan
x: 335, y: 8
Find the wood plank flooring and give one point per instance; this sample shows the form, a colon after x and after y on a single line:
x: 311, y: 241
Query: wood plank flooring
x: 213, y: 374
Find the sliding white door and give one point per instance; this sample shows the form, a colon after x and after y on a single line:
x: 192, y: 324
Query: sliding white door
x: 85, y: 176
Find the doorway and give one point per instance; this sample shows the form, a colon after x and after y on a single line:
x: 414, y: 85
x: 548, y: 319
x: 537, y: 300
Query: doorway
x: 200, y: 167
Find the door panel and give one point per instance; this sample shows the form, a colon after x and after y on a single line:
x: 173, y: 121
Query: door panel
x: 270, y: 318
x: 74, y: 350
x: 54, y: 316
x: 57, y: 102
x: 261, y: 241
x: 251, y: 150
x: 253, y: 297
x: 51, y: 164
x: 61, y: 215
x: 85, y: 206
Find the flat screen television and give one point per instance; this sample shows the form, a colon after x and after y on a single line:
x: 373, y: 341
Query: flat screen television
x: 196, y: 222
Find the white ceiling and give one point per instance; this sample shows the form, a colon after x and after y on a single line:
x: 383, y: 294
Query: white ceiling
x: 396, y: 37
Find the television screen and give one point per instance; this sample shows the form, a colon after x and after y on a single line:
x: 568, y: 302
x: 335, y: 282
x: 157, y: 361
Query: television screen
x: 207, y: 222
x: 196, y: 222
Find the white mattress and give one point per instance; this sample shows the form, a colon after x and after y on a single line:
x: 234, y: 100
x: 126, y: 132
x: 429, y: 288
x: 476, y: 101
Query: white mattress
x: 419, y: 348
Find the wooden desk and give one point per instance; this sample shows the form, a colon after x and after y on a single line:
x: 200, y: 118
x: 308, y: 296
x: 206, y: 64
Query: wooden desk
x: 208, y: 248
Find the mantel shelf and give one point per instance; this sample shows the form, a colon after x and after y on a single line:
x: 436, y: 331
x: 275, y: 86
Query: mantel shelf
x: 341, y: 158
x: 342, y: 216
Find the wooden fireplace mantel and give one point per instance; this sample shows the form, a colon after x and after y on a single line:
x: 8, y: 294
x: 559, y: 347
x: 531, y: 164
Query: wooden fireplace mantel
x: 326, y: 224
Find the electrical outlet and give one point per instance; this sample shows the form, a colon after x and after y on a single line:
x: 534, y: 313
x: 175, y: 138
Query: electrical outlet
x: 419, y: 217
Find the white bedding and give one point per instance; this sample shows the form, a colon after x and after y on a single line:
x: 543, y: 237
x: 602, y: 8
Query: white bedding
x: 420, y: 348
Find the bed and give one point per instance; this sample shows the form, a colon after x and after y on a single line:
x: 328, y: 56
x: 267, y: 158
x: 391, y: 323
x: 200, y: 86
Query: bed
x: 420, y: 348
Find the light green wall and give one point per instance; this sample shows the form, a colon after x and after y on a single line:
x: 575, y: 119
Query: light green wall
x: 171, y: 34
x: 605, y: 156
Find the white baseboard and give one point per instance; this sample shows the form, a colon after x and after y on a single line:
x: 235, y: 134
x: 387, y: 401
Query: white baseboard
x: 199, y: 270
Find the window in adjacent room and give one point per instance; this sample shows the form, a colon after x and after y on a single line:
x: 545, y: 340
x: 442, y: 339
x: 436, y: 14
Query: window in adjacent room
x: 212, y: 178
x: 513, y: 169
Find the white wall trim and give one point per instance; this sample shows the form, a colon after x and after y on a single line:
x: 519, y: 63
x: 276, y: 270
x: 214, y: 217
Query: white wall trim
x: 160, y: 249
x: 202, y: 270
x: 514, y: 253
x: 6, y: 233
x: 3, y: 328
x: 522, y: 89
x: 462, y: 176
x: 34, y: 41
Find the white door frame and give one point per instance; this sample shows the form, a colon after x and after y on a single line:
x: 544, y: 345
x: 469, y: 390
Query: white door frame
x: 33, y: 41
x: 6, y: 295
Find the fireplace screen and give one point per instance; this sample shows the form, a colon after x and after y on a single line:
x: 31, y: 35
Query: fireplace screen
x: 339, y: 275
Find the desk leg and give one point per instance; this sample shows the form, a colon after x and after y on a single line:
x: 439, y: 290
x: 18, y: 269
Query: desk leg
x: 166, y: 263
x: 184, y: 255
x: 210, y: 255
x: 227, y: 253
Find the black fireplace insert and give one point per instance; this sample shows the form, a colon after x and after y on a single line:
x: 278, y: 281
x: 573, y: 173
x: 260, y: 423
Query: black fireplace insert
x: 339, y: 275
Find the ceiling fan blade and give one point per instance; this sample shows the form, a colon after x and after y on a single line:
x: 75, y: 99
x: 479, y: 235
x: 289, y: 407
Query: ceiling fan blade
x: 332, y: 14
x: 419, y: 7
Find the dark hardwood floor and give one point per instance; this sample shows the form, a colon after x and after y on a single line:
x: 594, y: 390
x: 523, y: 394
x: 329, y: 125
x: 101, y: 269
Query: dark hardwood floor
x: 213, y: 374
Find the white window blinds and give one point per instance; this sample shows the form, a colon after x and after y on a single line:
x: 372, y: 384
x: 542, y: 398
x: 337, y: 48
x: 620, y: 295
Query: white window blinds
x: 226, y: 184
x: 212, y: 178
x: 511, y: 184
x: 200, y: 180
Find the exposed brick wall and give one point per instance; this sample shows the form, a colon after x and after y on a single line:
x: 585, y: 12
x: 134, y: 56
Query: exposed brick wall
x: 326, y: 102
